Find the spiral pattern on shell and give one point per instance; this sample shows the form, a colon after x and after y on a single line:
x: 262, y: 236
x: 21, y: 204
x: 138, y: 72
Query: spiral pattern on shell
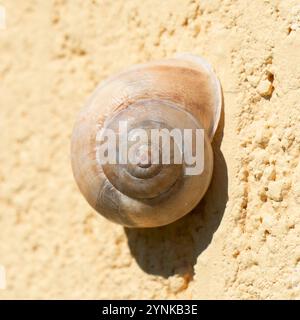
x: 180, y: 93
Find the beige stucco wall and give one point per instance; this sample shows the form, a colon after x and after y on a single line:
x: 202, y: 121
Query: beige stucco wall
x: 242, y: 241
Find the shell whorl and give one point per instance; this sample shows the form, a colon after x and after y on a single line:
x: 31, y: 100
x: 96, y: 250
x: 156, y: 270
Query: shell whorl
x: 144, y: 179
x: 176, y: 93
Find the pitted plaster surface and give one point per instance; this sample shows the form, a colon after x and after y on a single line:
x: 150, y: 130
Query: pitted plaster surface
x: 242, y: 241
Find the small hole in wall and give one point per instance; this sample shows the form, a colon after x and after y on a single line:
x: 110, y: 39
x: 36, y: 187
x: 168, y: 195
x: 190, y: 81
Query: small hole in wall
x: 270, y: 76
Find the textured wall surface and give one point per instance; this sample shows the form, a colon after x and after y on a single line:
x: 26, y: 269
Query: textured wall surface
x: 242, y: 241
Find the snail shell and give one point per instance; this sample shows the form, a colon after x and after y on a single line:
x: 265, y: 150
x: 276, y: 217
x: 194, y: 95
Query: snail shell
x: 183, y: 93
